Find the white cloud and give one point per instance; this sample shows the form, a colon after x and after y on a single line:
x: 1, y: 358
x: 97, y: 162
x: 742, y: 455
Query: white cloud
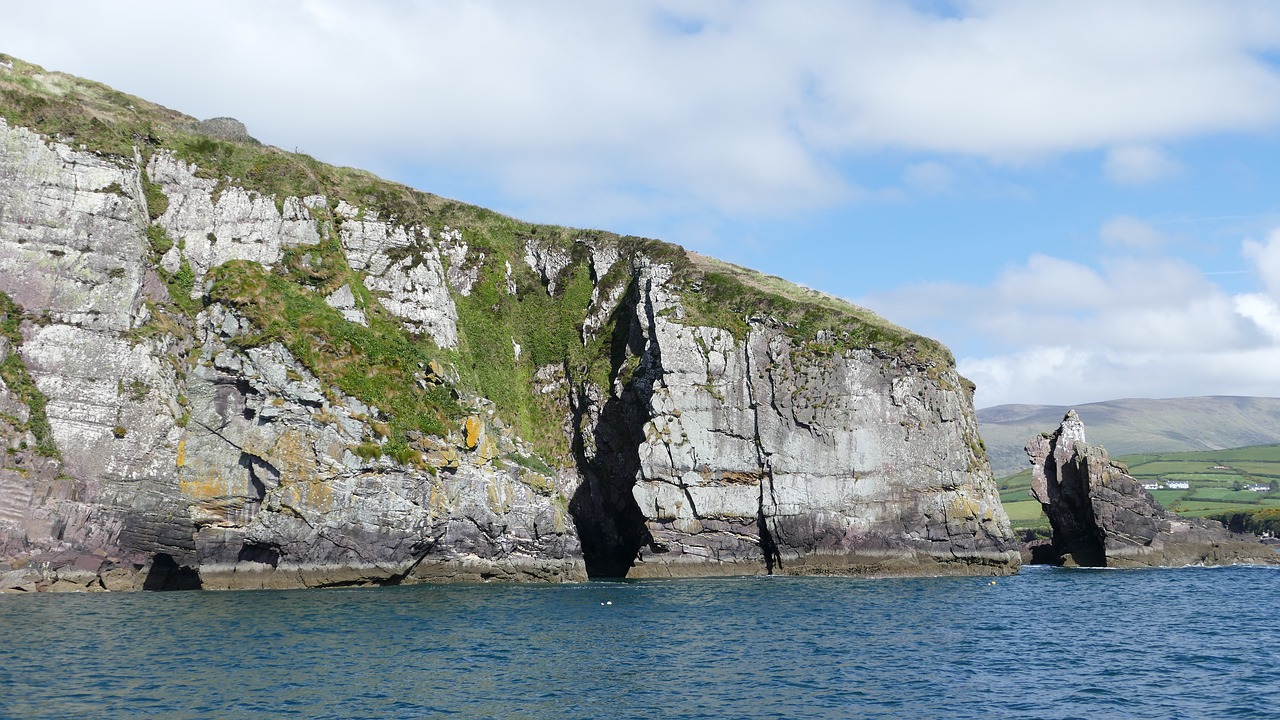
x: 1128, y: 232
x: 740, y: 107
x: 1069, y: 375
x: 1266, y: 259
x: 1139, y: 165
x: 1262, y: 310
x: 1057, y: 331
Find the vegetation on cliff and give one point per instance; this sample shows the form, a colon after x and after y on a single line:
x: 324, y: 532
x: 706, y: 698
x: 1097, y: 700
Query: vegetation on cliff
x: 382, y: 364
x: 19, y: 381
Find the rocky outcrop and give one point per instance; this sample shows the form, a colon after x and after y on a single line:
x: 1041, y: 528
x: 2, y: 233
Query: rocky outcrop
x: 1102, y: 517
x: 210, y: 383
x: 732, y: 455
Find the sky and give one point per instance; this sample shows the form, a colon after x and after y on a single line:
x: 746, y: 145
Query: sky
x: 1079, y: 198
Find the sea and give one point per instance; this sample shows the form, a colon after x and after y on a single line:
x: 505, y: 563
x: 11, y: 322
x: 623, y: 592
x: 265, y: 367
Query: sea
x: 1047, y: 643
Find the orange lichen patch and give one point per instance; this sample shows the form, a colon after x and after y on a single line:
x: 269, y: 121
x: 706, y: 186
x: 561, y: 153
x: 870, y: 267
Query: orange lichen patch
x: 472, y: 425
x: 488, y: 449
x: 498, y: 500
x: 438, y: 501
x: 313, y: 494
x: 182, y: 451
x: 209, y: 487
x: 444, y: 458
x: 301, y: 485
x: 293, y: 456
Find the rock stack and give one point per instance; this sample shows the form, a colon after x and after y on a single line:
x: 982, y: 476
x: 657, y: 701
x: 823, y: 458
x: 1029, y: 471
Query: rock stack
x: 1102, y: 517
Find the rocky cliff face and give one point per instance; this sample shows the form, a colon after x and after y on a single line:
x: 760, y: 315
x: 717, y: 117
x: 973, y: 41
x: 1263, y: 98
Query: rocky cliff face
x: 758, y: 451
x: 226, y: 366
x: 1101, y: 517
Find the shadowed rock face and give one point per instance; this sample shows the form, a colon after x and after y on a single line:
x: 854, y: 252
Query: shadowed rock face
x: 1101, y: 516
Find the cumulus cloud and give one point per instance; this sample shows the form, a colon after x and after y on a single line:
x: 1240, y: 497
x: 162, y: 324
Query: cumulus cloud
x: 744, y: 108
x: 1265, y: 256
x: 1069, y: 375
x: 1058, y: 331
x: 1139, y: 165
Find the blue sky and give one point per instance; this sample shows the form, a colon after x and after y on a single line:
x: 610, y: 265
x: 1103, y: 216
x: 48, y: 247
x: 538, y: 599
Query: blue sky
x: 1079, y: 198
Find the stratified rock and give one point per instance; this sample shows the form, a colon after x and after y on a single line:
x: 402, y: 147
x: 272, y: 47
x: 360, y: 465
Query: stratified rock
x: 164, y: 427
x: 1102, y: 517
x: 757, y: 455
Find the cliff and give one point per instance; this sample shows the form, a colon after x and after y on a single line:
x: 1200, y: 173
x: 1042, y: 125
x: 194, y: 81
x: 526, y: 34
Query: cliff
x: 229, y: 366
x: 1102, y: 517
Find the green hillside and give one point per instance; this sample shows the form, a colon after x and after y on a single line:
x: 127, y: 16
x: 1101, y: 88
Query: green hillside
x: 1217, y: 482
x: 1130, y: 426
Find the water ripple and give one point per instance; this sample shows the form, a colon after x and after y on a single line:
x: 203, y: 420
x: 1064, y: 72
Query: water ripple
x: 1045, y: 644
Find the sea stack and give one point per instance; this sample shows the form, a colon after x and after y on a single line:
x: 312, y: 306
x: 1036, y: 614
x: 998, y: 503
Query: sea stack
x: 1102, y: 517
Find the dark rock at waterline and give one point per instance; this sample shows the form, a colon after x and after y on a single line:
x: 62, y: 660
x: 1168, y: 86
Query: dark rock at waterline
x: 1102, y: 517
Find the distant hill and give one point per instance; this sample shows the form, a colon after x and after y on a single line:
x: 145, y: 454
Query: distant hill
x: 1127, y: 427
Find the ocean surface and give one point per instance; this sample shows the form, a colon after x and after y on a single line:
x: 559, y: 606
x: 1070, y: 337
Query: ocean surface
x: 1048, y: 643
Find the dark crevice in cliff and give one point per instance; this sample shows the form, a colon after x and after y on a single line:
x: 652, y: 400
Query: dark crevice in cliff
x: 265, y: 553
x: 419, y: 552
x: 611, y: 526
x: 768, y: 544
x: 167, y: 574
x: 262, y: 475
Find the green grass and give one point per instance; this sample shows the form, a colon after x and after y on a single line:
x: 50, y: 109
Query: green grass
x: 1212, y: 491
x: 1164, y: 467
x: 20, y: 382
x: 724, y: 295
x: 1198, y: 508
x: 1026, y: 514
x: 376, y: 364
x: 1167, y: 498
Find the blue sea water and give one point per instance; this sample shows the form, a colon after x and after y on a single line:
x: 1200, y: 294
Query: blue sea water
x: 1048, y: 643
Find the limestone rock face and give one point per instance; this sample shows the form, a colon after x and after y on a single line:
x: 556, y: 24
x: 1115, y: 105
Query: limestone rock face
x: 234, y: 468
x: 213, y: 223
x: 1102, y: 517
x: 758, y: 455
x: 161, y: 442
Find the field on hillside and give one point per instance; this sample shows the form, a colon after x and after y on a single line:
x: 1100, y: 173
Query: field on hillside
x: 1217, y: 481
